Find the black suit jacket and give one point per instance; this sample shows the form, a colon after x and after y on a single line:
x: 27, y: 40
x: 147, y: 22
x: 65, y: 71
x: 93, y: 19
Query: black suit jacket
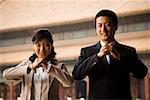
x: 109, y: 81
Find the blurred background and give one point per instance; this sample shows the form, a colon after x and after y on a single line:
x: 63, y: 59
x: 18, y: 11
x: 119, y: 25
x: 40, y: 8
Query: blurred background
x: 72, y: 25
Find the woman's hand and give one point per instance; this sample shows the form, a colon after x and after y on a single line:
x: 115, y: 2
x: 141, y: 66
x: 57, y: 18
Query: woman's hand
x: 37, y: 62
x: 44, y: 64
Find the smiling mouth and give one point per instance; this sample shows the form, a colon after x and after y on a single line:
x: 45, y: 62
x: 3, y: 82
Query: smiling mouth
x: 105, y: 34
x: 43, y: 54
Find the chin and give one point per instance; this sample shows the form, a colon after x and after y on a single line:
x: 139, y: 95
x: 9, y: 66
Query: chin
x: 105, y: 39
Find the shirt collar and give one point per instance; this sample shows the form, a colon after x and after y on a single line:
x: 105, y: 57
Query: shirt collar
x: 103, y: 43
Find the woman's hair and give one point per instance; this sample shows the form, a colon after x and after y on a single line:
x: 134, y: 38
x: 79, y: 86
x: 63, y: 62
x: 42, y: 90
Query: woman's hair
x: 44, y: 33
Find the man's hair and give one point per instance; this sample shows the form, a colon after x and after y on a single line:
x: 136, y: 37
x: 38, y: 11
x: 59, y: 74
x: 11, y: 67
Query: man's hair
x: 108, y: 13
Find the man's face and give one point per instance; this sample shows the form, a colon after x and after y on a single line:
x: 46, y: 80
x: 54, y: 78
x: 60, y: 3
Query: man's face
x: 105, y: 29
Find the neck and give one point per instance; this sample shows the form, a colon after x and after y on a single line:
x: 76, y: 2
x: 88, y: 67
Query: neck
x: 107, y: 42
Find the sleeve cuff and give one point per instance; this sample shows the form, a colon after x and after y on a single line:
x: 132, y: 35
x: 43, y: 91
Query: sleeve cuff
x: 30, y: 66
x: 49, y: 67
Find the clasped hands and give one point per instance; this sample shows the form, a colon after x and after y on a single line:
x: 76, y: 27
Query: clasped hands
x: 39, y: 62
x: 109, y: 49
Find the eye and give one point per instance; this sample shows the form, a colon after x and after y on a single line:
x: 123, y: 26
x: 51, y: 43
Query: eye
x: 47, y: 45
x: 38, y: 45
x: 107, y: 24
x: 99, y: 25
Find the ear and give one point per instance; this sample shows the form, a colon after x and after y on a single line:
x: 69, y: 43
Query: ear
x: 96, y: 31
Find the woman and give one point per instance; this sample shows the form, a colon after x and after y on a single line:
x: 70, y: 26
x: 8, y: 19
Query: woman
x: 42, y: 73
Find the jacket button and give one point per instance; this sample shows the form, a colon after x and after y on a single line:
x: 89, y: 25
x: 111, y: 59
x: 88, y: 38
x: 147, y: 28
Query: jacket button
x: 94, y: 63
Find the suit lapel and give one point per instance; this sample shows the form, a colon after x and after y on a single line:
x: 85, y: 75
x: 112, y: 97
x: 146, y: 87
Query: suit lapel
x: 97, y: 47
x: 117, y: 46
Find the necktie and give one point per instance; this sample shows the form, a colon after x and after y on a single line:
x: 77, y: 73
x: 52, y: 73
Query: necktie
x: 108, y: 58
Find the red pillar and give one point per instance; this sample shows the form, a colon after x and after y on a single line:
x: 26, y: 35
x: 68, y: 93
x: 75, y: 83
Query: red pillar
x: 134, y: 87
x: 61, y: 92
x: 11, y: 90
x: 147, y: 87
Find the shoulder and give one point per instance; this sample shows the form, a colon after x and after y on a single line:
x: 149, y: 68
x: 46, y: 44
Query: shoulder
x: 126, y: 47
x: 58, y: 64
x: 26, y: 61
x: 90, y: 47
x: 23, y: 63
x: 90, y: 50
x: 127, y: 50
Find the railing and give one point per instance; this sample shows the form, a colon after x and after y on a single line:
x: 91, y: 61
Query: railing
x: 140, y: 89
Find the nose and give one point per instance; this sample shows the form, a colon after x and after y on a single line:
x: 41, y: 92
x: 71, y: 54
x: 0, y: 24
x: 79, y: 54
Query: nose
x: 103, y: 29
x: 42, y: 48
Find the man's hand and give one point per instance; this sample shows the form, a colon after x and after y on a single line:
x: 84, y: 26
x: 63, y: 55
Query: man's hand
x: 109, y: 49
x: 115, y: 54
x: 103, y: 51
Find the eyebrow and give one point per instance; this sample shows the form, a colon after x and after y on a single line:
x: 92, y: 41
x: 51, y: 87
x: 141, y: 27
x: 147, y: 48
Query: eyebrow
x: 106, y: 22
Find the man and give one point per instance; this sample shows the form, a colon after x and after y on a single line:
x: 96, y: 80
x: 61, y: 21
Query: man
x: 108, y: 64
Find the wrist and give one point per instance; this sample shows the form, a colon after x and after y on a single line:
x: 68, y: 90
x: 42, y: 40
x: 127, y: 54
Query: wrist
x: 31, y: 66
x: 116, y: 55
x: 48, y: 68
x: 100, y: 55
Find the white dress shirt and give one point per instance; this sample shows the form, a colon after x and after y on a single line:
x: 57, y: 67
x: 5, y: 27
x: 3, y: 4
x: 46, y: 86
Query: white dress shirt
x: 41, y: 77
x: 107, y: 55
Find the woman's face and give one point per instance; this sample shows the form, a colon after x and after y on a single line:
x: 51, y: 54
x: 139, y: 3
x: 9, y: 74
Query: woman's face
x: 42, y: 48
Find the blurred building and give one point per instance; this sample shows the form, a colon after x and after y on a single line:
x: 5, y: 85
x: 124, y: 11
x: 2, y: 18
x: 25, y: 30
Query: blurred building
x: 72, y: 26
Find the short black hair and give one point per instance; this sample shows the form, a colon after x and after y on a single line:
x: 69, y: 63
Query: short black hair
x: 109, y: 13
